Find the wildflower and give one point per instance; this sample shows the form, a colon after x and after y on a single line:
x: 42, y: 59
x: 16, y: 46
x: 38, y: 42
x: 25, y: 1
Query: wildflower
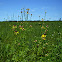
x: 19, y: 25
x: 31, y: 14
x: 28, y: 9
x: 43, y: 37
x: 46, y: 30
x: 45, y: 33
x: 43, y: 27
x: 37, y: 44
x: 13, y: 29
x: 21, y: 22
x: 16, y: 32
x: 21, y: 28
x: 14, y: 26
x: 46, y: 43
x: 35, y: 41
x: 27, y: 12
x: 30, y: 26
x: 47, y: 26
x: 18, y: 43
x: 46, y: 54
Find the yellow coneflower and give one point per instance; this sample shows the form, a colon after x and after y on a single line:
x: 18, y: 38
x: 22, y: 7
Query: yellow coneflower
x: 43, y: 27
x: 28, y: 9
x: 27, y: 12
x: 31, y: 15
x: 14, y: 26
x: 43, y: 37
x: 21, y: 28
x: 30, y: 26
x: 16, y: 32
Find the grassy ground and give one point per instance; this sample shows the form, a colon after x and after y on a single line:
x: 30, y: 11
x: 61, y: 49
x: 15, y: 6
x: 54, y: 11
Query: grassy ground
x: 27, y: 45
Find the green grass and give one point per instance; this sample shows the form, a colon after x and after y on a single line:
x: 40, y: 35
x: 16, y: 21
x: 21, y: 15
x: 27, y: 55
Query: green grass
x: 49, y: 50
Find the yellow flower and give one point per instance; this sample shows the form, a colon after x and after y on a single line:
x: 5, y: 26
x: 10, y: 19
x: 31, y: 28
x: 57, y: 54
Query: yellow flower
x: 21, y: 28
x: 14, y: 26
x: 44, y: 39
x: 46, y: 30
x: 46, y: 43
x: 16, y: 32
x: 43, y: 36
x: 30, y: 26
x: 28, y: 9
x: 46, y: 54
x: 43, y: 27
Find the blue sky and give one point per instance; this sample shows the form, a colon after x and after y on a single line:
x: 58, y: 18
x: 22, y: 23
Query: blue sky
x: 37, y: 8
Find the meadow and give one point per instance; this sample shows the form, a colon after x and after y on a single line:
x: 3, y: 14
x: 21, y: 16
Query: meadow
x: 31, y: 41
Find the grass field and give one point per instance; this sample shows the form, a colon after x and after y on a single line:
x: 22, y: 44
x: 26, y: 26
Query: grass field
x: 23, y: 41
